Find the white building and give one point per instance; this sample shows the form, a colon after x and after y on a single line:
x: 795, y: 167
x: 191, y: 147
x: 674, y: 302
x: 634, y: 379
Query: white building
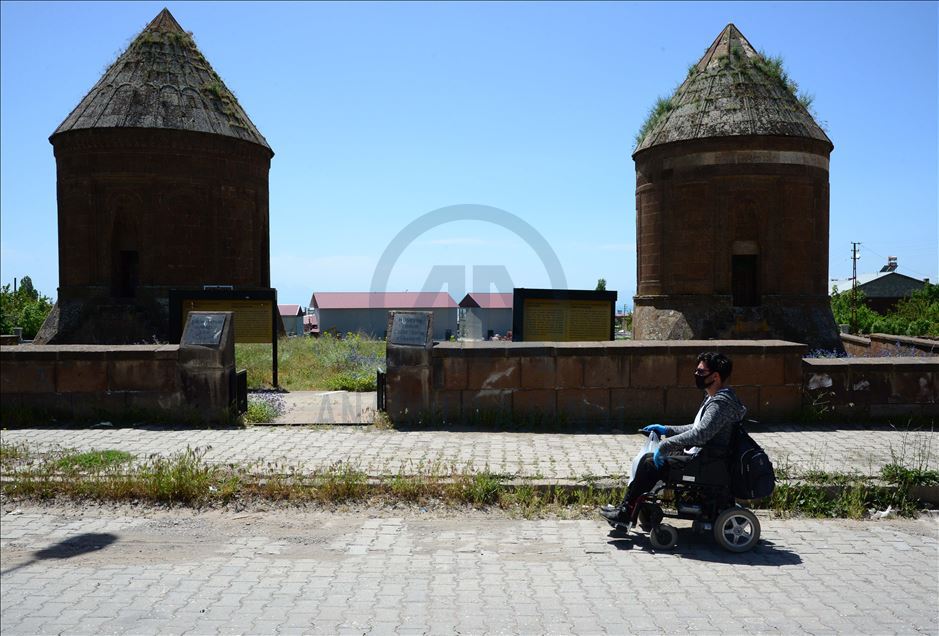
x: 483, y: 316
x: 292, y: 317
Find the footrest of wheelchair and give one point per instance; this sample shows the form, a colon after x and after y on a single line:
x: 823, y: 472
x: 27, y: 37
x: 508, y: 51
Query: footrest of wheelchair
x: 620, y: 526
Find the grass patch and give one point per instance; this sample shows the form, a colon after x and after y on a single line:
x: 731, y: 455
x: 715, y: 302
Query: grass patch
x: 858, y: 498
x: 326, y: 363
x: 662, y: 107
x: 93, y: 460
x: 900, y: 476
x: 187, y: 479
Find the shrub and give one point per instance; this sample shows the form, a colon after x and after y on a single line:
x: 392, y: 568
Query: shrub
x: 25, y: 308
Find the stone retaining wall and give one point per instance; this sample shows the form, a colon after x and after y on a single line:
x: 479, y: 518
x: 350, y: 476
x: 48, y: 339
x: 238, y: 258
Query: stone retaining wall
x: 161, y: 382
x: 585, y: 382
x: 871, y: 388
x: 882, y: 344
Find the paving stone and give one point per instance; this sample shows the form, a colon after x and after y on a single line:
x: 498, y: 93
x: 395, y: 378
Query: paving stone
x: 549, y: 455
x: 475, y: 573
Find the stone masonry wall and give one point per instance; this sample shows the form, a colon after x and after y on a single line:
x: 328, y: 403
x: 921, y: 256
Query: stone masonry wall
x: 159, y: 382
x: 871, y: 388
x: 587, y: 382
x: 883, y: 344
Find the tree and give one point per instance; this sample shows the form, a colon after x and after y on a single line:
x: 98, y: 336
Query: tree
x: 601, y: 284
x: 26, y: 288
x: 25, y: 308
x: 919, y: 312
x: 841, y: 307
x: 916, y: 315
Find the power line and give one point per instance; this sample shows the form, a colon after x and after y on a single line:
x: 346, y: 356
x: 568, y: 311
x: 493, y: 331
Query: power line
x: 912, y: 271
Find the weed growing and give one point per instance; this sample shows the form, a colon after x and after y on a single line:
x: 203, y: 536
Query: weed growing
x: 12, y: 454
x: 382, y: 422
x: 307, y: 364
x: 264, y: 408
x: 188, y: 479
x: 662, y: 107
x: 857, y: 498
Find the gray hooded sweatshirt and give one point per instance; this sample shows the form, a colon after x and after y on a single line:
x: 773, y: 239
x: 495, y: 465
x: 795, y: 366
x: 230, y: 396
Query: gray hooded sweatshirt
x: 718, y: 414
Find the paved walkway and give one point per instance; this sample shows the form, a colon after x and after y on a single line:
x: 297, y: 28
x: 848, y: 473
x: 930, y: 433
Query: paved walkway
x: 328, y: 407
x: 793, y: 448
x: 95, y: 571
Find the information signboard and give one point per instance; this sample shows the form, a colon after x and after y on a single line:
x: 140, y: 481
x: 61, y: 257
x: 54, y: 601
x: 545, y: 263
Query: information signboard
x: 255, y: 315
x: 562, y: 315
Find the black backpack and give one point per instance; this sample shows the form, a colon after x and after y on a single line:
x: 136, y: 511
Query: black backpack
x: 751, y: 471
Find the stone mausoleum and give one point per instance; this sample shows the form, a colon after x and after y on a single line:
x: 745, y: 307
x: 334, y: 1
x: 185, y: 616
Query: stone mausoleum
x: 162, y: 184
x: 732, y: 207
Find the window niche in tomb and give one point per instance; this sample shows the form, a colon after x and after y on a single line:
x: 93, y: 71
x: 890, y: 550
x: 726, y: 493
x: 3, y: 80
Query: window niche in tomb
x: 745, y: 277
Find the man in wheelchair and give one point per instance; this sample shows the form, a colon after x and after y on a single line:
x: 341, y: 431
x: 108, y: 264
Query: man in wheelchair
x: 694, y: 451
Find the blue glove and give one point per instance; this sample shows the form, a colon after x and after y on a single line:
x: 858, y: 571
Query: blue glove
x: 658, y: 458
x: 658, y: 429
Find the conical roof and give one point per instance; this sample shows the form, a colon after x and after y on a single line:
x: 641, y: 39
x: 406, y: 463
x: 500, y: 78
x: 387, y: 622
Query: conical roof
x: 732, y: 90
x: 163, y: 81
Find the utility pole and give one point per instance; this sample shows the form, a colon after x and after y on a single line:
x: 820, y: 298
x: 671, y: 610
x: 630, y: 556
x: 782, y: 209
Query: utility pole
x: 854, y: 257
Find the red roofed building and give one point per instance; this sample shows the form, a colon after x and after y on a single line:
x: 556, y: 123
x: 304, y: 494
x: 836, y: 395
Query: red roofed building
x: 483, y: 316
x: 367, y: 312
x: 292, y: 317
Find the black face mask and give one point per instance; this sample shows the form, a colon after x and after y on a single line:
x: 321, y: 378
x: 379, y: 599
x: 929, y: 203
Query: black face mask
x: 699, y: 381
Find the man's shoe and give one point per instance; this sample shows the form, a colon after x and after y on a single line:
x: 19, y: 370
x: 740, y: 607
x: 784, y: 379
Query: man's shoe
x: 614, y: 513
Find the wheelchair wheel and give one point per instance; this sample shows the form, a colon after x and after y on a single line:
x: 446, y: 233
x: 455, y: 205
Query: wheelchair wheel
x: 737, y: 529
x: 663, y: 537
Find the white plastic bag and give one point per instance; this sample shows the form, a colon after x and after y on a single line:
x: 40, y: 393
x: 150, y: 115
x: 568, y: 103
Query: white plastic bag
x: 650, y: 447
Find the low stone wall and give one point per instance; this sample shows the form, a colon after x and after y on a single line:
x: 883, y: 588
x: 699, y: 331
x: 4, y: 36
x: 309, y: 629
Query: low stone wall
x: 871, y: 388
x: 156, y: 382
x: 882, y: 344
x: 585, y: 382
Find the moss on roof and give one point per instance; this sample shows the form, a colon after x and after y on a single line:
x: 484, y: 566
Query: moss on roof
x: 732, y: 90
x: 162, y: 80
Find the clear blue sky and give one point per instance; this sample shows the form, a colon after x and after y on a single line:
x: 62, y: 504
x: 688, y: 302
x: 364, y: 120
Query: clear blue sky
x: 380, y: 113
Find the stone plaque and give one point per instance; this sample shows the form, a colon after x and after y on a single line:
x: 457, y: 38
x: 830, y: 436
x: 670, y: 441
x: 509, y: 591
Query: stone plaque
x: 410, y: 328
x: 203, y: 329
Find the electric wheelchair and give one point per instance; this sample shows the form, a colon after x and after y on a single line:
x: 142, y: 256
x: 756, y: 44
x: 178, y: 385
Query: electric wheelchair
x: 701, y: 492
